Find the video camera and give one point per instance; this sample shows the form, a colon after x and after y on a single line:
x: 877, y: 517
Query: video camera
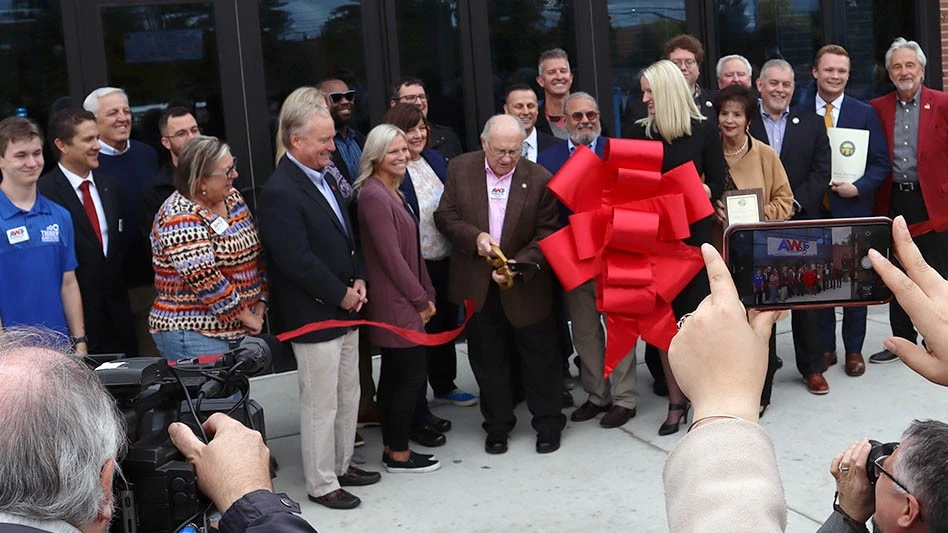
x: 159, y: 492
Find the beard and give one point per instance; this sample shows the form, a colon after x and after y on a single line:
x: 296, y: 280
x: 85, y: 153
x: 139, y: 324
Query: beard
x: 585, y: 135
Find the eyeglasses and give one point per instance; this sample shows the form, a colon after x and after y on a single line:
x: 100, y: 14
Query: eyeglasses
x: 878, y: 463
x: 412, y: 98
x: 684, y: 62
x: 504, y: 153
x: 180, y: 134
x: 590, y: 115
x: 729, y: 75
x: 229, y: 173
x: 350, y: 96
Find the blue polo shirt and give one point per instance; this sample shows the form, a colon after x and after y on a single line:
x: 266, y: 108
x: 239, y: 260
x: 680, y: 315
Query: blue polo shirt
x: 36, y: 248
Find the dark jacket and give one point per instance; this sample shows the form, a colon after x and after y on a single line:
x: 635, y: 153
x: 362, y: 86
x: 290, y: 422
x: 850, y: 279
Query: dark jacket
x: 445, y: 141
x: 312, y: 258
x: 440, y: 167
x: 805, y: 154
x: 359, y: 138
x: 105, y: 305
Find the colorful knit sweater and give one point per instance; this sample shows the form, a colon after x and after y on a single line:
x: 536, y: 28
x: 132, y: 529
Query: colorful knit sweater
x: 206, y: 271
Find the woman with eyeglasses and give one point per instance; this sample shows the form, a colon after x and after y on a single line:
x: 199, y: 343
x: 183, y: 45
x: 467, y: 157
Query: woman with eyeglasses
x: 209, y: 275
x: 399, y: 291
x: 675, y: 121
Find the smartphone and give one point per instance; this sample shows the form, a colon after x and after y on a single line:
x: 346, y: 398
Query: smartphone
x: 808, y: 264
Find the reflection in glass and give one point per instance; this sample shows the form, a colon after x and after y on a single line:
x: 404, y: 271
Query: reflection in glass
x: 521, y: 30
x: 870, y: 28
x: 766, y: 29
x: 163, y: 54
x: 33, y: 60
x: 429, y: 49
x: 638, y: 31
x: 304, y: 42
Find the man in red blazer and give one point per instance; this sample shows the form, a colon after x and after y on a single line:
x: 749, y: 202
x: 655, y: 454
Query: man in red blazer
x: 915, y: 120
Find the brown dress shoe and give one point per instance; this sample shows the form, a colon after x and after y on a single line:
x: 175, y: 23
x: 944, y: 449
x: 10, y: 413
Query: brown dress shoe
x: 617, y: 416
x: 587, y: 411
x: 816, y: 383
x: 855, y: 365
x: 829, y: 359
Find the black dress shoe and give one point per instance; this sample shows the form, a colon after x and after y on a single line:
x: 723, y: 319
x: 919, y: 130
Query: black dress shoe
x: 587, y: 411
x: 567, y: 399
x: 337, y: 499
x: 356, y: 477
x: 779, y: 364
x: 885, y: 356
x: 548, y: 441
x: 495, y: 445
x: 428, y: 436
x: 440, y: 424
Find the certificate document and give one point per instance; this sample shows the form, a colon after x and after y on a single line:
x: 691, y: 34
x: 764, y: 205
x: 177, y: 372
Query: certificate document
x: 849, y: 148
x: 744, y: 206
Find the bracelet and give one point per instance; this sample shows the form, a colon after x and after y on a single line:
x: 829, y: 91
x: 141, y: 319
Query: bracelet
x: 702, y: 419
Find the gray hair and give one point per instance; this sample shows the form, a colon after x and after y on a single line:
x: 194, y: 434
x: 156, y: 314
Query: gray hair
x: 91, y: 103
x: 199, y: 157
x: 306, y: 95
x: 60, y: 426
x: 553, y: 53
x: 922, y: 465
x: 725, y: 59
x: 775, y: 63
x: 492, y: 121
x: 577, y: 95
x: 296, y: 116
x: 900, y: 44
x: 376, y: 144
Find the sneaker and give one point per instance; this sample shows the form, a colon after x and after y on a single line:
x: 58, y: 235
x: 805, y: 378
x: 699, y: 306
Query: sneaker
x: 459, y: 398
x: 885, y: 356
x: 416, y: 463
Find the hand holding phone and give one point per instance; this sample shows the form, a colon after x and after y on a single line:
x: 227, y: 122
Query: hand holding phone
x: 808, y: 264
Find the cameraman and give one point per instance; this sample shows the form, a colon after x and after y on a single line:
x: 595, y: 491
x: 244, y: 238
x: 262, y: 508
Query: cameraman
x: 909, y: 494
x: 63, y: 439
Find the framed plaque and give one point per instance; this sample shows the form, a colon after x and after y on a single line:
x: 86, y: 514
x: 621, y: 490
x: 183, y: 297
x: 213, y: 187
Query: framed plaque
x: 745, y: 206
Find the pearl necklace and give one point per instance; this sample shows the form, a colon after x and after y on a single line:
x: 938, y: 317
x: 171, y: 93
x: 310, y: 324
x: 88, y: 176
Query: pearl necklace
x: 739, y: 150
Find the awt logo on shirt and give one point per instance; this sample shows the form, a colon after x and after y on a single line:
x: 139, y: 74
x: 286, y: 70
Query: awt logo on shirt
x: 51, y: 233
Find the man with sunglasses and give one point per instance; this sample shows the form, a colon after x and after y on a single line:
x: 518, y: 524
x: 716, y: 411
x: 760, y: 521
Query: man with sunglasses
x: 409, y: 90
x: 617, y: 396
x: 348, y: 140
x: 899, y: 485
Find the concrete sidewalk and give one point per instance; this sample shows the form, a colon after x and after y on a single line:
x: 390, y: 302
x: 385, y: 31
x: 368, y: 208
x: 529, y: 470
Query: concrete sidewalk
x: 602, y: 479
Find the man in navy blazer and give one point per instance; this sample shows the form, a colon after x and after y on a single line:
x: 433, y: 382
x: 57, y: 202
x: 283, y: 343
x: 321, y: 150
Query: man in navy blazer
x: 799, y: 136
x: 617, y: 399
x: 316, y: 274
x: 847, y: 200
x: 100, y: 248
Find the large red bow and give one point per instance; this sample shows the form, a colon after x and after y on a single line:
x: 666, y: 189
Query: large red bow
x: 627, y: 233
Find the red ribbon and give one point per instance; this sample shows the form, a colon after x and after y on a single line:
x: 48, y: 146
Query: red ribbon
x: 626, y: 233
x: 417, y: 337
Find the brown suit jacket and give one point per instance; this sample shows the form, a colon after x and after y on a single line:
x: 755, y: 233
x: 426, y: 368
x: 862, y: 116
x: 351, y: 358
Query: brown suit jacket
x: 531, y: 215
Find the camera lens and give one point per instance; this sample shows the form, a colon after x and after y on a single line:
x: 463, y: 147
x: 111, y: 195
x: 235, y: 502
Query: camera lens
x: 878, y: 450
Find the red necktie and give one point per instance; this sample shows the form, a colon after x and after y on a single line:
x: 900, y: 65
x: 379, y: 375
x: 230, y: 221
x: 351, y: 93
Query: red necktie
x: 89, y: 206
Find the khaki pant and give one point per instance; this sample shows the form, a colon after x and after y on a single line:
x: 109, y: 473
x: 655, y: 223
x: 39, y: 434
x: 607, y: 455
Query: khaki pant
x: 328, y: 375
x: 589, y: 338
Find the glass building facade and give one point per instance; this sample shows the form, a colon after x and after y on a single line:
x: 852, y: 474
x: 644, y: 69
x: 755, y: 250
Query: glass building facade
x: 233, y: 61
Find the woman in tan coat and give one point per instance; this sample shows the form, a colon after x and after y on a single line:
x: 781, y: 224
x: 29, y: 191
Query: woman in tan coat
x: 751, y: 164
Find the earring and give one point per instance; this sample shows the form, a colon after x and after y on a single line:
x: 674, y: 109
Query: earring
x: 203, y: 192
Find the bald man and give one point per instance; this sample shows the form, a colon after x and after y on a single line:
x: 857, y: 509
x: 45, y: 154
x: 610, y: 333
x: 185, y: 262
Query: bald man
x: 510, y: 207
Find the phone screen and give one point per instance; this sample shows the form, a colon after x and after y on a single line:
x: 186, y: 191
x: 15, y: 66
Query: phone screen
x: 808, y: 264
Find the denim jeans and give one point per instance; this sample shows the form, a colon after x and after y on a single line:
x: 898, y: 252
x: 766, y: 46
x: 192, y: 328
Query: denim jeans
x: 180, y: 344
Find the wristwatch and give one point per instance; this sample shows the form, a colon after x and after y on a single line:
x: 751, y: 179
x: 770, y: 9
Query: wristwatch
x: 77, y: 340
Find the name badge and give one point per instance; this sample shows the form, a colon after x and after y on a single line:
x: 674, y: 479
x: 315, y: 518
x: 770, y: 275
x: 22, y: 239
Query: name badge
x: 219, y: 226
x: 497, y: 193
x: 17, y: 235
